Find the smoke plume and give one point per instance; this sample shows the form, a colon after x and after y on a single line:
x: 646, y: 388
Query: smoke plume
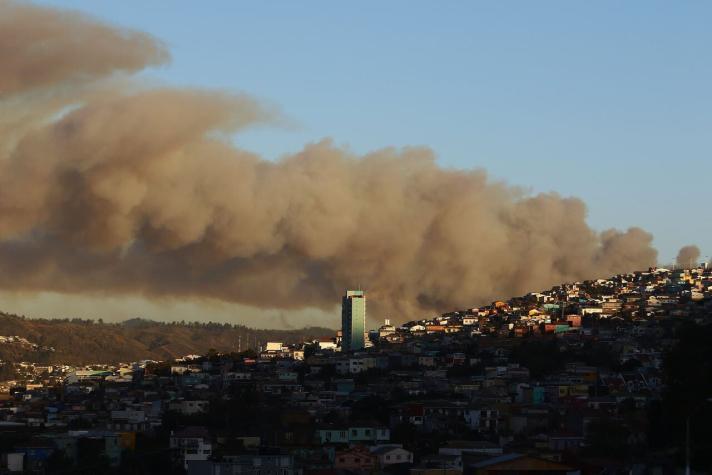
x: 688, y: 257
x: 111, y: 186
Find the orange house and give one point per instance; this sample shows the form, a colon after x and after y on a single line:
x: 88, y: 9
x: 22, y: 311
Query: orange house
x: 355, y: 458
x: 574, y: 320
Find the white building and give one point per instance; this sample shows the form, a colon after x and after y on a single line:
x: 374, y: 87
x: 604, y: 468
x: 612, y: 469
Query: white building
x: 391, y: 454
x: 326, y: 343
x: 274, y: 346
x: 191, y: 444
x: 386, y: 329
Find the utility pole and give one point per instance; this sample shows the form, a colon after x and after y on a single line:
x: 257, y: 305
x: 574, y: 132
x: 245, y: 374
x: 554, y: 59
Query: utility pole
x: 687, y: 445
x: 687, y: 434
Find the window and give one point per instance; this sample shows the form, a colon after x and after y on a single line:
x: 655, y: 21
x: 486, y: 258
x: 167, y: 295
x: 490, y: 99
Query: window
x: 354, y: 432
x: 398, y: 457
x: 368, y: 432
x: 388, y: 457
x: 342, y: 460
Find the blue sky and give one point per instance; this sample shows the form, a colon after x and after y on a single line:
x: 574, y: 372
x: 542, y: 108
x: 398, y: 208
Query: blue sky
x: 607, y: 101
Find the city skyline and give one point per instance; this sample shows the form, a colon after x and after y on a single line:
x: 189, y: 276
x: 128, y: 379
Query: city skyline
x: 507, y: 199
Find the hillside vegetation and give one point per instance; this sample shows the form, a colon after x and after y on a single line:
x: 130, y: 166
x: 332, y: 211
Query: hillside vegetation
x: 78, y: 341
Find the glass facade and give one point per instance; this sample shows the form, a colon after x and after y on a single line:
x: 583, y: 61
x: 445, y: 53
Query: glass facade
x: 353, y: 320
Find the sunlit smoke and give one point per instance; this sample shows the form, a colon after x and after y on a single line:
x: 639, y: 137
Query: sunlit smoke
x: 688, y: 257
x: 111, y: 186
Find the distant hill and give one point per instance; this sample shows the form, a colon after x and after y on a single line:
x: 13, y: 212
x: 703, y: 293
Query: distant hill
x: 77, y: 341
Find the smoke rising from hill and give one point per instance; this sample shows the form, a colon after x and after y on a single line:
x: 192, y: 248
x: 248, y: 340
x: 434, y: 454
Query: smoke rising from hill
x: 108, y: 185
x: 688, y: 257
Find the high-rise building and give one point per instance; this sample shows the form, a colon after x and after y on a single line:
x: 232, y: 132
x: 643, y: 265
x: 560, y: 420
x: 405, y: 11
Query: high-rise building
x: 353, y: 320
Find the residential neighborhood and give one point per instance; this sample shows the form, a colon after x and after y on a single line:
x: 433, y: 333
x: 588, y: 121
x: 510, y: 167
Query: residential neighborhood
x: 566, y: 380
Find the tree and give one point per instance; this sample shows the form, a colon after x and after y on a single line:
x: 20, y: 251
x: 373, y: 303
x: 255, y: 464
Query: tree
x: 371, y: 407
x: 688, y: 378
x: 58, y: 462
x: 607, y: 438
x: 541, y: 357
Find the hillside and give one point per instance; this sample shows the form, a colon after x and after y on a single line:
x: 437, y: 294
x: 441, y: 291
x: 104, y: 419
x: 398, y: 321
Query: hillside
x: 79, y: 341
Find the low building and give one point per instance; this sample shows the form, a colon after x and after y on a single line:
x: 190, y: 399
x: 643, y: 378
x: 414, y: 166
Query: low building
x: 190, y: 444
x: 391, y: 454
x: 356, y: 458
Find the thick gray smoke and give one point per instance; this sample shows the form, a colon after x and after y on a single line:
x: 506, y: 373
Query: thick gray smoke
x: 688, y: 257
x: 110, y: 186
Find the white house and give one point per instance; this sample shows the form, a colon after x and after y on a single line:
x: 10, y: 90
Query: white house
x: 273, y: 346
x: 190, y: 444
x: 391, y: 454
x: 327, y: 344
